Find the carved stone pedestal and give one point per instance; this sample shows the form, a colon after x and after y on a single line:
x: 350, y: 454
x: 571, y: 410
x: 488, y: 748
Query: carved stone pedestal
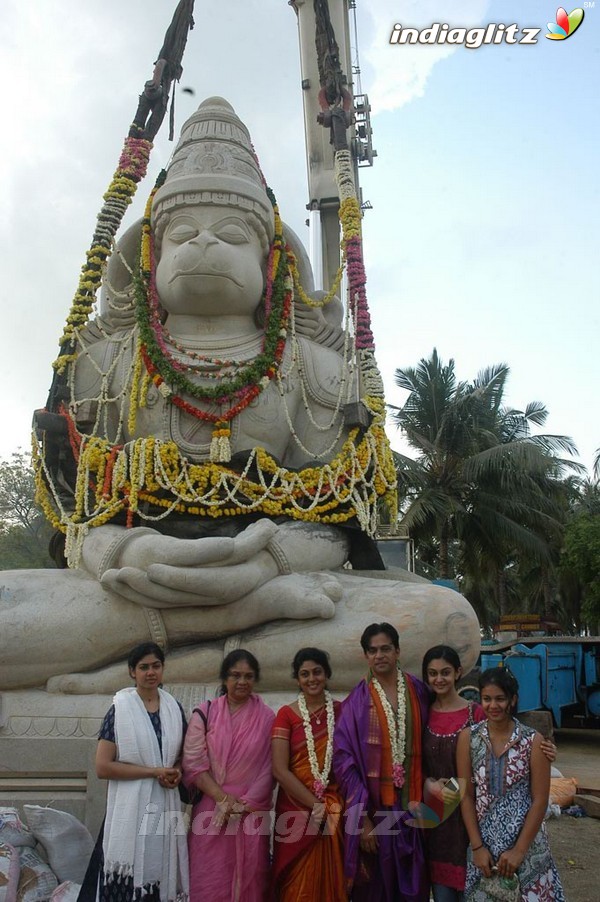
x: 48, y: 747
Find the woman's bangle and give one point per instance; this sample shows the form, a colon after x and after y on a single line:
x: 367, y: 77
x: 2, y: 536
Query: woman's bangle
x: 477, y: 848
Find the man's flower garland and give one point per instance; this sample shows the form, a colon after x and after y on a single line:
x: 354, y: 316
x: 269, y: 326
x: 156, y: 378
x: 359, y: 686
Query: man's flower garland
x: 396, y: 727
x: 320, y: 775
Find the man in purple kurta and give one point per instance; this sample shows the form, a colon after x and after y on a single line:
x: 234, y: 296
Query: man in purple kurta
x: 384, y: 848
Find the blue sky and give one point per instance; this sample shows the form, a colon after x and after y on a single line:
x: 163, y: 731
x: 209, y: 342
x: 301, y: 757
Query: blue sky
x: 482, y: 238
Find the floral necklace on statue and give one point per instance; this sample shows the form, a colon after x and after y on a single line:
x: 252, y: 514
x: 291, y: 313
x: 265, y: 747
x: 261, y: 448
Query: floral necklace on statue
x: 238, y: 387
x: 396, y: 724
x: 320, y: 776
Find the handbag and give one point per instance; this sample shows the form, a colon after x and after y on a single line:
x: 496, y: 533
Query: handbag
x: 191, y: 795
x: 500, y: 889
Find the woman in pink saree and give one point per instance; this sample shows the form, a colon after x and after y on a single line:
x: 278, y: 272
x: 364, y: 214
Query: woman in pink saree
x: 227, y: 758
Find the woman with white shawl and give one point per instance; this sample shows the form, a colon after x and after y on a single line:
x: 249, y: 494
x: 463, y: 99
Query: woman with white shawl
x: 144, y: 850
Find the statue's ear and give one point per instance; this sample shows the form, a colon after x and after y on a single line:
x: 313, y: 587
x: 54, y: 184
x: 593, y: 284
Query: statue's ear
x: 116, y: 296
x: 304, y: 265
x: 321, y: 324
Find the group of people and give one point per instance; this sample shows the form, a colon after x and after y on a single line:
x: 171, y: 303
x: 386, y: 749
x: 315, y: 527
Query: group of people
x: 402, y: 789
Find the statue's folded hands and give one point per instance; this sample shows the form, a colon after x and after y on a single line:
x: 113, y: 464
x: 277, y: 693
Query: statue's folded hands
x: 149, y: 568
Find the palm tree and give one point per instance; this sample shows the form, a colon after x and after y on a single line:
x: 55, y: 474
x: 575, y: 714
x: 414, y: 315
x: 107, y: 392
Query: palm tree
x: 482, y: 488
x: 578, y: 578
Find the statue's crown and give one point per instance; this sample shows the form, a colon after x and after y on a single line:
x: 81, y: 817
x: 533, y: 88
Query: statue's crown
x: 214, y: 162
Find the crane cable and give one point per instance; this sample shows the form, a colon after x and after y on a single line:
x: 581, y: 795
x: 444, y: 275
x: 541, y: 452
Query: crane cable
x: 334, y: 99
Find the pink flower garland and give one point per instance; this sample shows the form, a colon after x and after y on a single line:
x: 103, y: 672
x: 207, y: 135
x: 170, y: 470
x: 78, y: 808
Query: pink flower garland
x: 357, y: 279
x: 134, y: 158
x: 398, y: 775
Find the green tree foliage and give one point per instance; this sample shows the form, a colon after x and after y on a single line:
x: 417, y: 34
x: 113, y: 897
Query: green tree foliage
x: 484, y: 495
x: 581, y: 557
x: 24, y: 532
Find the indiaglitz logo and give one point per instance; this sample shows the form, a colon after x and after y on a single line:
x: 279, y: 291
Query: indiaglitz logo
x: 566, y: 24
x: 492, y: 33
x: 471, y: 38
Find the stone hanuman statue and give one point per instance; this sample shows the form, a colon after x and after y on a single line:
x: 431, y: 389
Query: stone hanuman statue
x: 223, y: 470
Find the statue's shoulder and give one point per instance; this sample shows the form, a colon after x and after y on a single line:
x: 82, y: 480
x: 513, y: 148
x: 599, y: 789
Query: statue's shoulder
x: 98, y: 349
x: 323, y: 370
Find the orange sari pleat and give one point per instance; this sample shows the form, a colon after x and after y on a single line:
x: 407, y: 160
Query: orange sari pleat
x: 310, y: 868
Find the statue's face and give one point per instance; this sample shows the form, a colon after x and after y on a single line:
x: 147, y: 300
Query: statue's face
x: 211, y: 263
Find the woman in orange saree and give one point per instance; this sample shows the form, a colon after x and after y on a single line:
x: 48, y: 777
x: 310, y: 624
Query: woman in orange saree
x: 308, y: 849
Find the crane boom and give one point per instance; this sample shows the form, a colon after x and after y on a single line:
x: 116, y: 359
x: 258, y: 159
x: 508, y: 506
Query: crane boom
x: 323, y: 197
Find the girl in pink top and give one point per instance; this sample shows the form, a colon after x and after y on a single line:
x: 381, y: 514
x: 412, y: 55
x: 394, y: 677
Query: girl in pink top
x: 447, y: 841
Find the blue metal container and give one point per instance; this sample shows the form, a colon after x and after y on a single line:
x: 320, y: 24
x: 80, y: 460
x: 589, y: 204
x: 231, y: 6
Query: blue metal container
x: 492, y: 660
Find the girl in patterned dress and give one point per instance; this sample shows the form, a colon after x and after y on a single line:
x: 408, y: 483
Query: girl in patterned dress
x: 506, y: 777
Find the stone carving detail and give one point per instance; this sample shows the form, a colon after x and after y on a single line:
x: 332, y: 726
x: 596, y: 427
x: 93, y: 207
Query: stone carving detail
x: 49, y: 727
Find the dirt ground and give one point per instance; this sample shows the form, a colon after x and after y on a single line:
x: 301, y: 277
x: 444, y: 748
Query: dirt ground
x: 575, y: 842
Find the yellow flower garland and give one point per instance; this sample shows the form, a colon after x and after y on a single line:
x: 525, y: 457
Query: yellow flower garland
x: 152, y: 473
x: 120, y: 192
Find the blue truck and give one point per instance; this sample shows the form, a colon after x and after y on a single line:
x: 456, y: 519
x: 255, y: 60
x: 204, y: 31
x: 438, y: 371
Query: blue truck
x: 560, y: 674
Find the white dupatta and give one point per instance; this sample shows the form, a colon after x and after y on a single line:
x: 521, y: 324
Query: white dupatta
x: 144, y: 832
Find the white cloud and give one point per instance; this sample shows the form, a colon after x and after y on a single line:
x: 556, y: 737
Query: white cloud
x: 400, y: 73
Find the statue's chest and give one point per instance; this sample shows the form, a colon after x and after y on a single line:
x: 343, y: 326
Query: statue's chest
x: 266, y: 422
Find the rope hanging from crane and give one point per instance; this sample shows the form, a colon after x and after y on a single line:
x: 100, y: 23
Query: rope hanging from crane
x: 334, y: 99
x: 167, y: 69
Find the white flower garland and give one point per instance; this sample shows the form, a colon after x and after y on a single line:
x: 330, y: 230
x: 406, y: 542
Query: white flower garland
x: 396, y: 726
x: 320, y: 777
